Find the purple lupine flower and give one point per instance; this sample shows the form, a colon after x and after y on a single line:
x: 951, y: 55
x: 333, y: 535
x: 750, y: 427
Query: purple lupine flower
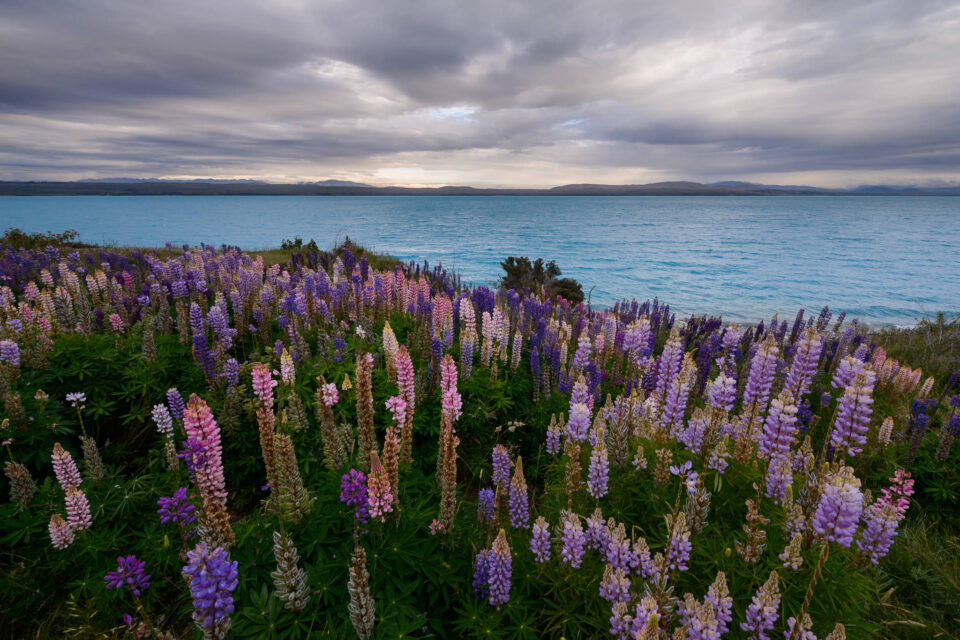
x: 598, y: 473
x: 679, y: 546
x: 779, y: 475
x: 838, y: 511
x: 553, y: 438
x: 193, y: 455
x: 760, y: 379
x: 213, y: 577
x: 597, y: 534
x: 848, y: 368
x: 481, y: 573
x: 485, y: 504
x: 176, y: 403
x: 572, y: 539
x: 540, y: 541
x: 353, y: 492
x: 718, y: 595
x: 501, y: 466
x: 804, y: 364
x: 176, y: 508
x: 518, y: 501
x: 129, y: 572
x: 762, y: 613
x: 850, y: 428
x: 881, y: 523
x: 10, y: 353
x: 579, y: 422
x: 501, y: 571
x: 780, y: 427
x: 615, y: 585
x: 723, y: 392
x: 231, y: 371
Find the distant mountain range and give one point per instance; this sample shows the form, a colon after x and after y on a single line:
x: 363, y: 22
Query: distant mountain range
x: 200, y: 187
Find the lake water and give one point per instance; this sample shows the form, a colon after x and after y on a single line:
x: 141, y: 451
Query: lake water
x: 883, y: 259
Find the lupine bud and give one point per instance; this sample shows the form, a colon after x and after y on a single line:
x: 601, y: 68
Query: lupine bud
x: 61, y: 533
x: 288, y: 578
x: 361, y: 606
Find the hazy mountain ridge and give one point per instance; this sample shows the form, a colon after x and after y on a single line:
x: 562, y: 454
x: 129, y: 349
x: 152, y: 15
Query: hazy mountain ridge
x: 198, y: 187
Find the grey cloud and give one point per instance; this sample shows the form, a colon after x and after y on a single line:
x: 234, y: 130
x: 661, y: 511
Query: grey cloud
x: 696, y: 89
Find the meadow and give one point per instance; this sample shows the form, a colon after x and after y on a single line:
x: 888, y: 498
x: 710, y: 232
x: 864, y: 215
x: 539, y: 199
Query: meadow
x: 206, y: 443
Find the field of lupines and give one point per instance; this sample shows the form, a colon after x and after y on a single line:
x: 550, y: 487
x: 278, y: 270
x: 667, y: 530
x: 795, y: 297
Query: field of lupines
x: 201, y: 445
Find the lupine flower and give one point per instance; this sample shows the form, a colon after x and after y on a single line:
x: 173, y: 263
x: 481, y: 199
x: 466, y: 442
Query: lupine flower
x: 804, y: 364
x: 289, y: 579
x: 213, y: 578
x: 839, y: 508
x: 397, y: 407
x: 10, y: 353
x: 263, y: 384
x: 679, y: 546
x: 65, y: 468
x: 762, y: 613
x: 78, y: 510
x: 718, y: 595
x: 598, y: 472
x: 615, y: 585
x: 61, y: 533
x: 500, y: 571
x: 579, y: 422
x: 129, y: 572
x: 553, y: 438
x: 723, y: 392
x: 362, y: 606
x: 378, y: 489
x: 485, y: 504
x: 405, y: 383
x: 803, y: 633
x: 597, y: 533
x: 518, y: 501
x: 287, y: 369
x: 176, y: 403
x: 760, y: 379
x: 199, y: 424
x: 501, y: 466
x: 685, y: 470
x: 22, y: 486
x: 572, y: 540
x: 353, y: 492
x: 76, y: 398
x: 780, y: 427
x: 849, y: 433
x: 540, y: 541
x: 330, y: 395
x: 176, y: 508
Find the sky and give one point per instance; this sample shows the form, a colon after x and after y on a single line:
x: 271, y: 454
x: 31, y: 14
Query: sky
x: 493, y: 93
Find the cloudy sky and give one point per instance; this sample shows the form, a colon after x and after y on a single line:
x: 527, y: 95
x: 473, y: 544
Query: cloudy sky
x: 498, y: 92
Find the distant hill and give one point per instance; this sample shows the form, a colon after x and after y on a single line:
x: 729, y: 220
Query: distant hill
x: 201, y: 187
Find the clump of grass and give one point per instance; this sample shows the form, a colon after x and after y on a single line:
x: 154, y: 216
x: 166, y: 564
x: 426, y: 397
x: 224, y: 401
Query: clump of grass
x: 920, y: 583
x: 933, y: 345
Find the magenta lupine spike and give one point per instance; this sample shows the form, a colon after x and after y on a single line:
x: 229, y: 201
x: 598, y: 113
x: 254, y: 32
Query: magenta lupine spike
x: 723, y: 392
x: 578, y: 426
x: 572, y: 540
x: 61, y: 533
x: 540, y: 541
x: 763, y: 612
x: 598, y: 473
x: 500, y: 571
x: 838, y: 511
x: 378, y: 489
x: 330, y: 396
x: 854, y: 409
x: 451, y: 402
x: 804, y: 364
x: 78, y: 510
x: 760, y: 379
x: 65, y: 468
x: 518, y: 500
x: 397, y: 407
x: 780, y: 427
x: 899, y: 491
x: 501, y: 466
x: 199, y: 425
x: 263, y: 384
x: 116, y: 322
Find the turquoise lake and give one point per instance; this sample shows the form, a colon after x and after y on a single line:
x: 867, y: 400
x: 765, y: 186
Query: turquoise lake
x: 889, y: 260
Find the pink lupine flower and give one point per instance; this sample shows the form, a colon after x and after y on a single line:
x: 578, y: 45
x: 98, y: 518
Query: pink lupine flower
x: 116, y: 322
x: 65, y: 468
x: 61, y: 533
x: 397, y: 408
x: 330, y: 394
x: 378, y: 489
x: 263, y: 384
x: 78, y: 510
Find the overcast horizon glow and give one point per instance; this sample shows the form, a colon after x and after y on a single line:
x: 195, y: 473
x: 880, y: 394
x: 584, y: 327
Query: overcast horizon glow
x: 498, y: 93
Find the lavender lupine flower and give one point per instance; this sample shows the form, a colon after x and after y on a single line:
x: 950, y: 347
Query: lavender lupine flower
x: 76, y: 398
x: 540, y: 541
x: 176, y: 403
x: 353, y: 492
x: 615, y: 585
x: 500, y: 571
x: 61, y: 533
x: 679, y: 546
x: 485, y: 504
x: 578, y: 424
x: 518, y: 500
x: 780, y: 427
x: 718, y: 595
x: 481, y: 573
x: 598, y: 473
x: 803, y: 633
x: 804, y: 364
x: 501, y: 466
x: 760, y: 379
x: 668, y: 365
x: 779, y: 475
x: 645, y: 614
x: 176, y: 508
x: 65, y: 468
x: 213, y: 578
x: 553, y: 438
x: 129, y: 572
x: 838, y: 511
x: 572, y: 550
x: 762, y: 613
x: 849, y: 433
x: 723, y: 392
x: 10, y: 353
x: 689, y: 476
x: 596, y: 534
x: 849, y: 367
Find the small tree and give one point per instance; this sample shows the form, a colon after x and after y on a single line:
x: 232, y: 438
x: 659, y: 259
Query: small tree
x: 521, y: 274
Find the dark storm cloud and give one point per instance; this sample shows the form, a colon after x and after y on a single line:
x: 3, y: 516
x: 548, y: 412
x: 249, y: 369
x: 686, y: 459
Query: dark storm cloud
x: 498, y: 91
